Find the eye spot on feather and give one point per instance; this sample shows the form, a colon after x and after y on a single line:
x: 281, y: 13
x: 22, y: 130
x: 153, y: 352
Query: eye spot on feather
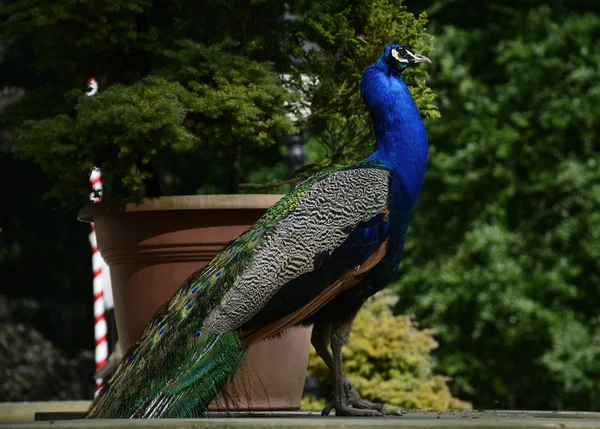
x: 230, y: 250
x: 195, y: 288
x: 218, y: 273
x: 161, y: 330
x: 190, y: 304
x: 259, y: 229
x: 198, y: 334
x: 186, y: 290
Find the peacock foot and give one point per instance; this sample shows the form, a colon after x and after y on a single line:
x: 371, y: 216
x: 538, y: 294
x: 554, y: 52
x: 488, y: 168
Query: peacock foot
x: 360, y: 407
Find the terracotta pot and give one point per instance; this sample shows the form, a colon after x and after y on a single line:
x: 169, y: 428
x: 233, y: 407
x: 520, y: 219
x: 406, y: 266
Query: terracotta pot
x: 152, y: 246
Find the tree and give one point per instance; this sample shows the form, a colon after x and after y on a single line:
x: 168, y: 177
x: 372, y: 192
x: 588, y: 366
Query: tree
x: 170, y: 97
x: 503, y: 254
x: 211, y: 89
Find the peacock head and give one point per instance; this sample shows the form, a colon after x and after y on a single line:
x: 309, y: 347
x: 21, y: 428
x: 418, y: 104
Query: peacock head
x: 398, y: 57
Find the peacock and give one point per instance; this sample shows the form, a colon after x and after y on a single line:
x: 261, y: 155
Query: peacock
x: 313, y: 259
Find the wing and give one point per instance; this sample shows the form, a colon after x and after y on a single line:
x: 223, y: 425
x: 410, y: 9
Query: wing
x: 336, y: 233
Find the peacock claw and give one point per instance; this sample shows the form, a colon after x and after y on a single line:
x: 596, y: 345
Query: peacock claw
x: 354, y: 399
x: 327, y: 409
x: 392, y: 411
x: 360, y: 407
x: 356, y: 412
x: 343, y: 410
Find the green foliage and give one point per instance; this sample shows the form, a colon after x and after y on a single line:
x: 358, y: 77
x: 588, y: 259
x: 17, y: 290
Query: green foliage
x: 164, y: 99
x: 204, y: 96
x: 351, y: 36
x: 503, y: 253
x: 388, y: 360
x: 231, y: 100
x: 136, y: 122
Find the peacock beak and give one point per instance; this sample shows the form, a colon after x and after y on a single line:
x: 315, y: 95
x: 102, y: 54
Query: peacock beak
x: 421, y: 59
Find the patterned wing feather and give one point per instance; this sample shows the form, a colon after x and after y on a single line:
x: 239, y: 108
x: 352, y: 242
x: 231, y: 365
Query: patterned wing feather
x: 336, y: 217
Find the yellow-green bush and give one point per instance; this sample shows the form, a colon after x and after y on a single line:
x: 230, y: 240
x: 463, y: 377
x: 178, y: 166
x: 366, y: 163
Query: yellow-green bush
x: 388, y: 360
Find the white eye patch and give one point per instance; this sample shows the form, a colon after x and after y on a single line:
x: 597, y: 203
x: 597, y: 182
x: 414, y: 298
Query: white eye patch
x: 397, y: 56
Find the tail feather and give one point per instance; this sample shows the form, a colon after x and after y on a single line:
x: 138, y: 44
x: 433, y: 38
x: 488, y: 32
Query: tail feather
x: 192, y: 379
x: 178, y: 366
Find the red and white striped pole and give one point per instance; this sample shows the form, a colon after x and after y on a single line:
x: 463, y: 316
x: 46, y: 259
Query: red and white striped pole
x: 100, y: 271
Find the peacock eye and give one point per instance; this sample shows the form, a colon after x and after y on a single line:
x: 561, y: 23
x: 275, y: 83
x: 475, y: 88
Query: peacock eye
x: 398, y: 55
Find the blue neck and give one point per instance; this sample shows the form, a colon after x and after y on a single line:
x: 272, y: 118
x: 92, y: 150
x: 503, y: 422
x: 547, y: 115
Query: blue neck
x: 399, y: 130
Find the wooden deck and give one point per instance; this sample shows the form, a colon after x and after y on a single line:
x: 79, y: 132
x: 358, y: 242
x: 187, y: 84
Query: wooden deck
x: 64, y: 415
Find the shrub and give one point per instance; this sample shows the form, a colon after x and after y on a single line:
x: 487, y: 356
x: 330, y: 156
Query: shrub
x: 388, y: 360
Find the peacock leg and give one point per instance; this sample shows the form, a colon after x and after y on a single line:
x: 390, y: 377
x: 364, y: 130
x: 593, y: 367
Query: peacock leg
x: 321, y: 339
x: 339, y: 337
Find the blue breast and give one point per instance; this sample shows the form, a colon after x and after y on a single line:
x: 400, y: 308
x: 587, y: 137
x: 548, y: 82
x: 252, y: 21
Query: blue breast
x: 401, y: 146
x: 401, y: 139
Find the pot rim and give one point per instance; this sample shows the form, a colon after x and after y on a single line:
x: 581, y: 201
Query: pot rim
x: 181, y: 202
